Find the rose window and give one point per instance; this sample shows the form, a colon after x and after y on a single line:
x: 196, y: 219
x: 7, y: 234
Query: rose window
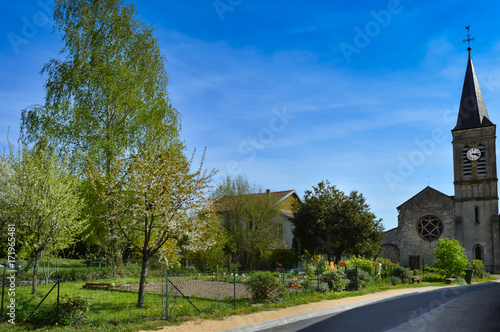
x: 429, y: 228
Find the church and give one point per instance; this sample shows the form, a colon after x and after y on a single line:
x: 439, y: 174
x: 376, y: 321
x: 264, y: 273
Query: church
x: 471, y: 215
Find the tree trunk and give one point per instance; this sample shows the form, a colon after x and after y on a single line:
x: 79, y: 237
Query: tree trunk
x: 142, y: 282
x: 35, y: 272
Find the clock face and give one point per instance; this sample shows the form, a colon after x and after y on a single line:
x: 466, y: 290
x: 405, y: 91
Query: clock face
x: 473, y: 154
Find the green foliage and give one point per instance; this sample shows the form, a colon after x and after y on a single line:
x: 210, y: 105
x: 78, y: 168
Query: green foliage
x: 41, y: 199
x: 451, y: 260
x: 477, y: 267
x: 323, y: 287
x: 265, y: 287
x: 73, y: 309
x: 362, y: 263
x: 402, y: 273
x: 343, y: 222
x: 396, y: 281
x: 282, y: 256
x: 428, y: 269
x: 105, y: 99
x: 251, y: 217
x: 336, y: 279
x: 364, y: 278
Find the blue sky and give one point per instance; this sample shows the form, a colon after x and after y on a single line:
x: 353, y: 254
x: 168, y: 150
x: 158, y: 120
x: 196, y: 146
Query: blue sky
x: 363, y: 94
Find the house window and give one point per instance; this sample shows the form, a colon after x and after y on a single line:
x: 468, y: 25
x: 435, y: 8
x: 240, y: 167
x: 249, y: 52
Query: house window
x: 429, y: 227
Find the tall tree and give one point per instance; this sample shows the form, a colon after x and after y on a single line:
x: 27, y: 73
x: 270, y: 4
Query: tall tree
x: 156, y: 200
x: 109, y: 94
x: 333, y: 223
x: 40, y: 197
x: 251, y: 217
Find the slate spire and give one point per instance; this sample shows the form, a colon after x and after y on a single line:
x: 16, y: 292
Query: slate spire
x: 472, y: 112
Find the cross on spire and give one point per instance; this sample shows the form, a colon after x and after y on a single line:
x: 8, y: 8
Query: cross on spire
x: 468, y: 39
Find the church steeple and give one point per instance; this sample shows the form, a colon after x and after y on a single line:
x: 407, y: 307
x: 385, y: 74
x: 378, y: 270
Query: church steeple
x: 472, y: 112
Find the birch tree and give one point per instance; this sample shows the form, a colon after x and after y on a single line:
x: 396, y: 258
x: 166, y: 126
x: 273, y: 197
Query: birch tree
x: 106, y: 94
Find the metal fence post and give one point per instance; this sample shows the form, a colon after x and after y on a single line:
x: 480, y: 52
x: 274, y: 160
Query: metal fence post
x: 3, y: 289
x: 317, y: 274
x: 58, y: 286
x: 166, y: 296
x: 234, y: 290
x: 356, y: 277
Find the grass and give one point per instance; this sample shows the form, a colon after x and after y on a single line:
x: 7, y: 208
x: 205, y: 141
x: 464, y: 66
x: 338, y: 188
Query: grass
x: 111, y: 310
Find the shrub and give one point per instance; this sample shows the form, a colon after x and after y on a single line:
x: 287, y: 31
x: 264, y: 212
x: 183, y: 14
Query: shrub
x: 364, y: 278
x: 395, y: 281
x: 72, y: 309
x: 451, y: 260
x: 323, y: 287
x: 336, y: 279
x: 402, y: 273
x: 477, y: 267
x: 461, y: 281
x: 362, y: 263
x: 264, y: 287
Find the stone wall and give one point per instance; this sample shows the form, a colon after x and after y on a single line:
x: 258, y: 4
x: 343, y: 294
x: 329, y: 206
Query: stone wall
x: 406, y: 239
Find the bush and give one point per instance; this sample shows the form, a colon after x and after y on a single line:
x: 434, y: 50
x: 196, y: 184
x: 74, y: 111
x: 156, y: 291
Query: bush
x: 264, y: 287
x: 451, y: 260
x: 336, y: 280
x: 395, y: 281
x: 477, y: 267
x: 362, y: 263
x: 323, y: 287
x: 461, y: 281
x: 402, y: 273
x: 364, y: 278
x: 72, y: 309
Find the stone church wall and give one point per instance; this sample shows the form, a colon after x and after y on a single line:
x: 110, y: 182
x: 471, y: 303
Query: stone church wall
x: 406, y: 238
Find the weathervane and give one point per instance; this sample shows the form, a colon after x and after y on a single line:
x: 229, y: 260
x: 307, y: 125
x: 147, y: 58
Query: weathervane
x: 468, y: 39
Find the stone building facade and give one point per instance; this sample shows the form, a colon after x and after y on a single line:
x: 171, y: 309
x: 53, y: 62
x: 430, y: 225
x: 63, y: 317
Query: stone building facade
x: 471, y: 216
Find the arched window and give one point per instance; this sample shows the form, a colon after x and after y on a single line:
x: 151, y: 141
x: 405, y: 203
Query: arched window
x: 478, y: 252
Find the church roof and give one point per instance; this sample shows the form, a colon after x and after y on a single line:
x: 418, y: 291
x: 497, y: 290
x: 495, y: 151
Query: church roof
x: 472, y: 112
x: 424, y: 192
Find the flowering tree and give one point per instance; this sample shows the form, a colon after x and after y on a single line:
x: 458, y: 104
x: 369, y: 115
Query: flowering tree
x: 156, y: 200
x: 40, y: 197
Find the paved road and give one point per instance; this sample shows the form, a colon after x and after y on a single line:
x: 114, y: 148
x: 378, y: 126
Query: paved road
x: 464, y: 308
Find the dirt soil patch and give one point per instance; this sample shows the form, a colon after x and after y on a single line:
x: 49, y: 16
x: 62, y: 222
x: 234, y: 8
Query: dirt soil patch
x: 214, y: 290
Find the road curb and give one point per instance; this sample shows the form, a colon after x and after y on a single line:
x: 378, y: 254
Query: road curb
x: 328, y: 311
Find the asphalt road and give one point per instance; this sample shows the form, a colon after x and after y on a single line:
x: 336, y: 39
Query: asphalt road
x: 469, y: 308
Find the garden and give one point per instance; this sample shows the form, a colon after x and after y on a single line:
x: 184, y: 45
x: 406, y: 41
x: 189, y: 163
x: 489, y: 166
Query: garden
x: 192, y: 294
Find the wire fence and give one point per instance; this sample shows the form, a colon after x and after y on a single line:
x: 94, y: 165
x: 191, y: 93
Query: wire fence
x: 115, y: 292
